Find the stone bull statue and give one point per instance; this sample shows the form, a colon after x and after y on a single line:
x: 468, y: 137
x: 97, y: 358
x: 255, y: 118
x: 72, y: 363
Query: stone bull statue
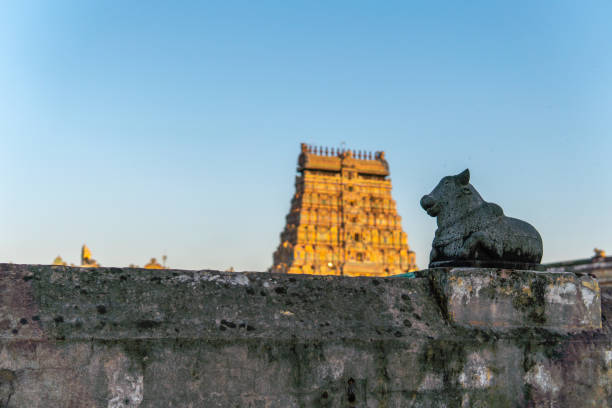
x: 471, y: 230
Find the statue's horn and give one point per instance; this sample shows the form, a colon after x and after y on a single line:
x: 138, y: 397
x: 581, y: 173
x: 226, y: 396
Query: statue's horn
x: 464, y: 177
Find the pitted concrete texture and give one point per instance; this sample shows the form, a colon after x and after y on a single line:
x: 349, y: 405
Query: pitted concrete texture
x: 111, y: 337
x: 504, y: 299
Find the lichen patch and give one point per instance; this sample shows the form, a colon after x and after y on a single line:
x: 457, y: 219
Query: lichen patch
x: 431, y: 382
x: 588, y: 296
x: 608, y: 357
x: 540, y: 378
x: 125, y: 387
x: 475, y: 374
x: 126, y: 391
x: 564, y: 294
x: 239, y: 279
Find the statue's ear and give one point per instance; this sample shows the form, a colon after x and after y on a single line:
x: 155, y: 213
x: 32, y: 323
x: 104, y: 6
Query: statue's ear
x: 464, y: 177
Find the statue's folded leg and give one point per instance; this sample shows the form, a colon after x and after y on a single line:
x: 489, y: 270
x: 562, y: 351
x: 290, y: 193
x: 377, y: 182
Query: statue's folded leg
x: 472, y: 243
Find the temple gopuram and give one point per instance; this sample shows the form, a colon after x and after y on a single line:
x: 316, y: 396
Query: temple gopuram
x: 343, y: 220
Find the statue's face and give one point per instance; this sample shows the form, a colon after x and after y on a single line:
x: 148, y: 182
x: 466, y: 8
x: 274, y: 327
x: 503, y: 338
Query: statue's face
x: 448, y: 189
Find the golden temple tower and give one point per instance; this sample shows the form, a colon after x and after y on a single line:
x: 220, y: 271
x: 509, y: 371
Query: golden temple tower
x: 343, y: 220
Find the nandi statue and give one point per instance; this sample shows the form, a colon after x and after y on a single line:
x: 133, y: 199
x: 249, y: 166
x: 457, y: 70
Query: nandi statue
x: 472, y: 231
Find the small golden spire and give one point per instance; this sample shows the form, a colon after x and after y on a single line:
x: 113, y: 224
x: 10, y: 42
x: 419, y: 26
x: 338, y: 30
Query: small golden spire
x: 86, y: 259
x: 59, y: 261
x: 599, y: 253
x: 153, y: 264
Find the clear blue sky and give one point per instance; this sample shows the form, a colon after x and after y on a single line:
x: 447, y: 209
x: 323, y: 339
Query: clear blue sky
x: 149, y: 127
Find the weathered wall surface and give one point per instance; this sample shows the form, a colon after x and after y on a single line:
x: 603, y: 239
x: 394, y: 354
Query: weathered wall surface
x: 110, y: 337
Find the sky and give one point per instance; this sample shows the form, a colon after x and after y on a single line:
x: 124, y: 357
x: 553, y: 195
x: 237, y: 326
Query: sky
x: 151, y: 128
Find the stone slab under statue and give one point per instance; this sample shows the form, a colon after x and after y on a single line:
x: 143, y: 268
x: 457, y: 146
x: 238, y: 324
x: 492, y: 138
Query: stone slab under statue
x: 505, y: 299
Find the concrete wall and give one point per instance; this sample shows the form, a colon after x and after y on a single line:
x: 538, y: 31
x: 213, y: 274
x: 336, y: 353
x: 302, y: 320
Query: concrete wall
x: 118, y: 337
